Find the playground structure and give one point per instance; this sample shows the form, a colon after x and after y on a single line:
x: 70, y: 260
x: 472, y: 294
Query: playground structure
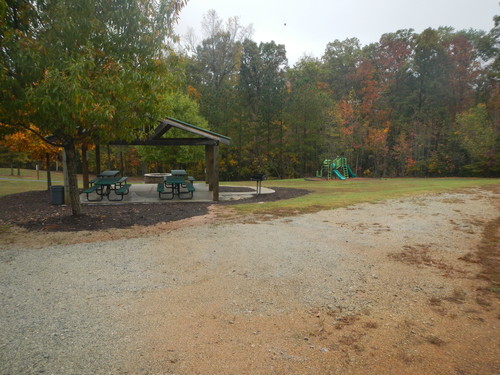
x: 337, y: 168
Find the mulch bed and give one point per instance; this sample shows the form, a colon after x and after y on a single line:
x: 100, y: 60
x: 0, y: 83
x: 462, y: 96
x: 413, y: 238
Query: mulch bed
x: 32, y: 210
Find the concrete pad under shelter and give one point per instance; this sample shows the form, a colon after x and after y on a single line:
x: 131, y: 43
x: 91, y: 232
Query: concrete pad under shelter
x: 146, y: 193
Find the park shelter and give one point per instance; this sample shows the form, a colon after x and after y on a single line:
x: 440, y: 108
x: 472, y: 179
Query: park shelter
x: 198, y: 137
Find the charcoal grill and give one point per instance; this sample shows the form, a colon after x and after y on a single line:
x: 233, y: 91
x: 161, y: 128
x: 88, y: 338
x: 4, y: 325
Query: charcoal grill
x: 258, y: 177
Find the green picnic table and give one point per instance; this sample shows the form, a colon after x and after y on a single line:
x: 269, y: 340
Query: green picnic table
x: 173, y: 185
x: 178, y: 172
x: 108, y: 174
x: 103, y: 187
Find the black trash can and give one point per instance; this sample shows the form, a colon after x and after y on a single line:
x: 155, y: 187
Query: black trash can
x: 57, y: 194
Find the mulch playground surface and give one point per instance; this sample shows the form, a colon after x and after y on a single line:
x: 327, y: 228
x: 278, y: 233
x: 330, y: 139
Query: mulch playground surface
x: 32, y: 210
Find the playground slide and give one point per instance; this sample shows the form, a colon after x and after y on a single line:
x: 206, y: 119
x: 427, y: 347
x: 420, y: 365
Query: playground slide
x: 338, y: 174
x: 351, y: 173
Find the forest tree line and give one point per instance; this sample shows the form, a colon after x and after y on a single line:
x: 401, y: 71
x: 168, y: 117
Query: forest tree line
x: 413, y: 104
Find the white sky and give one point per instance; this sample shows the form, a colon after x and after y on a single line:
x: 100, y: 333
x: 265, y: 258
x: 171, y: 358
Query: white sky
x: 311, y: 24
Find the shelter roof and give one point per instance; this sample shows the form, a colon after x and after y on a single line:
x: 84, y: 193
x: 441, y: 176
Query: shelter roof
x: 204, y: 136
x: 169, y: 122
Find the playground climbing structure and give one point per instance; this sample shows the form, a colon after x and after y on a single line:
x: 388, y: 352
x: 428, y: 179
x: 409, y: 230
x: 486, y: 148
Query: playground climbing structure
x: 336, y: 168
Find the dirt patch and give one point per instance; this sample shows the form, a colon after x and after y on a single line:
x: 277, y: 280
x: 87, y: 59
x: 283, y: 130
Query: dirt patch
x: 489, y: 253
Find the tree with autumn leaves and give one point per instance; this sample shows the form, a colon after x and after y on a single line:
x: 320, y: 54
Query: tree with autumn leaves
x: 23, y: 146
x: 412, y: 104
x: 82, y: 71
x: 29, y: 144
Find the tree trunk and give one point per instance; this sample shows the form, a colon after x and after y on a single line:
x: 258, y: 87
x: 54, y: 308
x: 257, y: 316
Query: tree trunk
x: 109, y: 157
x: 356, y: 167
x: 85, y: 166
x: 281, y: 168
x: 97, y: 159
x: 122, y: 167
x: 74, y: 194
x: 64, y: 167
x: 49, y: 178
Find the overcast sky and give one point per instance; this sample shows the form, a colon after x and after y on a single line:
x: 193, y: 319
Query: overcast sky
x: 306, y: 26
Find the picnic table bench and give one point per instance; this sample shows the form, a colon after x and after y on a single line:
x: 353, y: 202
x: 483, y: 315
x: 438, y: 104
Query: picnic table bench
x: 163, y: 193
x: 90, y: 190
x: 121, y: 181
x: 190, y: 191
x: 121, y: 191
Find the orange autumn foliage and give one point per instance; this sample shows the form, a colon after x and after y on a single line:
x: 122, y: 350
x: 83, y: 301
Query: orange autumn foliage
x: 30, y: 144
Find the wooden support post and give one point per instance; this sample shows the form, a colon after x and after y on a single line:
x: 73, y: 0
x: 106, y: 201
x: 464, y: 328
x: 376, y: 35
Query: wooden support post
x: 206, y: 165
x: 215, y: 172
x: 212, y: 165
x: 209, y: 162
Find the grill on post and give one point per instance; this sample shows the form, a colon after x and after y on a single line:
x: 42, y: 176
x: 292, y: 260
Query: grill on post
x: 258, y: 177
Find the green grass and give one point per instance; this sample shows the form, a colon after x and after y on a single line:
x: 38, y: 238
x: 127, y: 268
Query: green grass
x: 335, y: 194
x: 29, y: 180
x: 325, y: 194
x: 29, y: 174
x: 26, y: 181
x: 11, y: 187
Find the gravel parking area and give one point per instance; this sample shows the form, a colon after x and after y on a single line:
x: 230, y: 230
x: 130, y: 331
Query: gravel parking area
x: 375, y: 288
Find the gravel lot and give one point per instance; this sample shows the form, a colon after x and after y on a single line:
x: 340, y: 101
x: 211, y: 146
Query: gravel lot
x: 374, y: 288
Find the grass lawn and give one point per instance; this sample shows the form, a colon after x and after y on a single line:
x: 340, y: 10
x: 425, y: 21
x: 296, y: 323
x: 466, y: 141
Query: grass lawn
x: 26, y: 181
x: 335, y: 193
x: 325, y: 194
x: 29, y: 180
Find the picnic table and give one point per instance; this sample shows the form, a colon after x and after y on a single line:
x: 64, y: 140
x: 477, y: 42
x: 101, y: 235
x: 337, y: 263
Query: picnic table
x: 103, y: 187
x: 174, y: 185
x: 108, y: 174
x: 178, y: 172
x: 175, y: 182
x: 104, y: 174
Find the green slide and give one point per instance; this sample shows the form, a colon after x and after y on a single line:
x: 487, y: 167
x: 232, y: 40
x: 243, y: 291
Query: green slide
x: 351, y: 173
x: 338, y: 174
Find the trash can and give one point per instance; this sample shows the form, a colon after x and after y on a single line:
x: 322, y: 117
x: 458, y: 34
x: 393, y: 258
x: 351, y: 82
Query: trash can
x: 57, y: 194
